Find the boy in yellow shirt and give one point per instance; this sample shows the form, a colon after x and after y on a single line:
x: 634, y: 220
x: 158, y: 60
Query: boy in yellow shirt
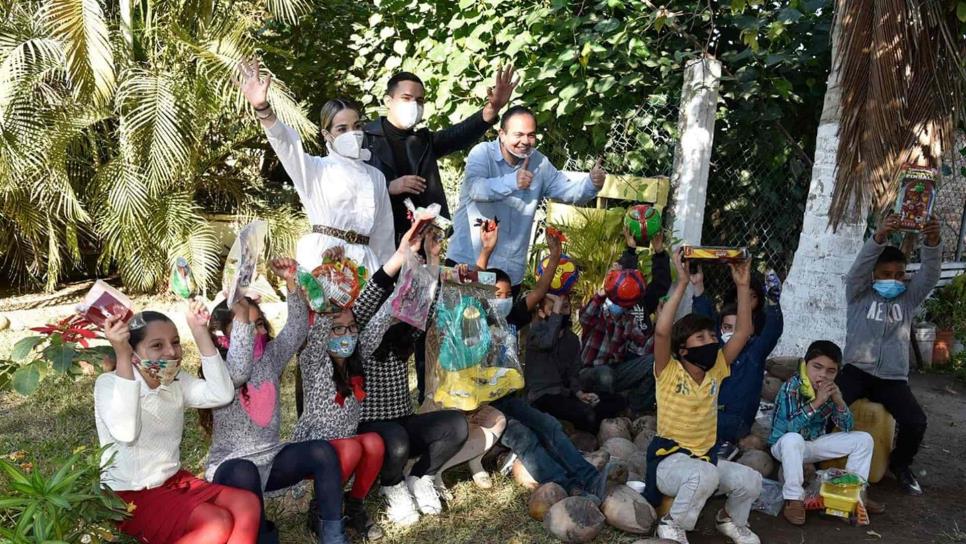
x: 689, y: 366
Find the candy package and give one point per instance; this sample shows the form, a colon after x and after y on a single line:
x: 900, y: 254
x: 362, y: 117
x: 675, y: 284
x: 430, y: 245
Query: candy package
x: 917, y: 196
x: 716, y: 254
x: 242, y: 260
x: 341, y: 281
x: 314, y: 294
x: 424, y: 217
x: 415, y: 291
x: 103, y: 302
x: 471, y: 353
x: 181, y: 282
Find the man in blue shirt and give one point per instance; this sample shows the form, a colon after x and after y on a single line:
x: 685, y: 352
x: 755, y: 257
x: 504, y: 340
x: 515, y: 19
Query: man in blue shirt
x: 507, y: 179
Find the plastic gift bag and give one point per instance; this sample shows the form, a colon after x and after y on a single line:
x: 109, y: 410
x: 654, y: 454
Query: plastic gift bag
x: 103, y: 302
x: 415, y: 290
x: 342, y: 281
x: 770, y: 500
x: 467, y: 357
x: 181, y: 282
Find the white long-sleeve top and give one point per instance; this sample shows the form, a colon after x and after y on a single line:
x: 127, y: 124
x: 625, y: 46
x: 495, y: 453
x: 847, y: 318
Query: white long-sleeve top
x: 340, y: 193
x: 145, y: 425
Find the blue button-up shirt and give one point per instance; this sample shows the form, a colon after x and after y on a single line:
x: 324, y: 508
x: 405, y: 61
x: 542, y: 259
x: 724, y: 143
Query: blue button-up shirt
x: 490, y: 190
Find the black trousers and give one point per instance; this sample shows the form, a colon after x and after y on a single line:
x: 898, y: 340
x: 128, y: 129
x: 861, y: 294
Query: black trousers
x: 897, y: 398
x: 434, y: 437
x: 583, y: 416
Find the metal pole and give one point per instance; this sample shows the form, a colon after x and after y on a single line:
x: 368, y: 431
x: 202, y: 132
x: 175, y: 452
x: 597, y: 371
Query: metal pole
x: 962, y: 234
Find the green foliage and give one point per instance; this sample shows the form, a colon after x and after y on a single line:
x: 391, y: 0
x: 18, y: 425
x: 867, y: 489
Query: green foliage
x: 59, y: 349
x: 118, y: 124
x: 947, y: 307
x: 69, y: 505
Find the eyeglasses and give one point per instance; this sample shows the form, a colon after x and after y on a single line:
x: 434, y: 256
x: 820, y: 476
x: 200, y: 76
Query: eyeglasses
x: 339, y: 330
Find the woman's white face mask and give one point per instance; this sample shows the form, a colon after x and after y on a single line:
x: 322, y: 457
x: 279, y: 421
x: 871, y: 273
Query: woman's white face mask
x: 349, y: 145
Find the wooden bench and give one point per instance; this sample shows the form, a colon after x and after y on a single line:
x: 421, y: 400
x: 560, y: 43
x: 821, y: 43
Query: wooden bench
x: 949, y: 271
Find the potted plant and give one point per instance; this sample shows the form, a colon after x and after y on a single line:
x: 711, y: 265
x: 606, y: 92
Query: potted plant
x: 947, y: 309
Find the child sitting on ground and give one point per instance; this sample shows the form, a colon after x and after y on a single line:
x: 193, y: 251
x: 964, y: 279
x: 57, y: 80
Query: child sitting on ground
x: 741, y: 393
x: 689, y: 365
x: 803, y: 408
x: 615, y: 332
x: 552, y: 367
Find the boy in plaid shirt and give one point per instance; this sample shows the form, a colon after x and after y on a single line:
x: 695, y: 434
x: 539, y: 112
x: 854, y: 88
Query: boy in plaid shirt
x: 803, y: 408
x: 613, y: 337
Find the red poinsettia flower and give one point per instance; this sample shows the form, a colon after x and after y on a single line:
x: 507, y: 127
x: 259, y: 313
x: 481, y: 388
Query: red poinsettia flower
x: 72, y: 329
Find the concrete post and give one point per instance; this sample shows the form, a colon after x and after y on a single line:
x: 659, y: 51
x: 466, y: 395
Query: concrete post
x: 692, y: 154
x: 813, y: 298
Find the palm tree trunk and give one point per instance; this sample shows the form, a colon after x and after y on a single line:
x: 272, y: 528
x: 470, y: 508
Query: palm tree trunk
x: 814, y: 291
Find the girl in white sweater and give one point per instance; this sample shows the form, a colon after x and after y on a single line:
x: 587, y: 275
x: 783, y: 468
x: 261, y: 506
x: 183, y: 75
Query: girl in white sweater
x: 139, y: 409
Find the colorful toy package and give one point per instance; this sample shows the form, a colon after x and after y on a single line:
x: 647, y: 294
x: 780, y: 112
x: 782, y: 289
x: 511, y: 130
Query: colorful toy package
x: 415, y: 290
x: 644, y: 222
x: 243, y: 259
x: 917, y: 196
x: 716, y: 254
x: 341, y: 281
x: 564, y: 278
x: 181, y: 282
x: 469, y: 358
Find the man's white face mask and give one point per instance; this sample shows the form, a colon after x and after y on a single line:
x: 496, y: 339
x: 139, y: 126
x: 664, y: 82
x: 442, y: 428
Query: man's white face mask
x: 408, y: 113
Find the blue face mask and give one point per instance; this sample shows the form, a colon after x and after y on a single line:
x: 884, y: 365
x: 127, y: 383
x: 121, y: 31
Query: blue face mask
x: 342, y: 346
x: 889, y: 289
x: 613, y: 309
x: 501, y: 306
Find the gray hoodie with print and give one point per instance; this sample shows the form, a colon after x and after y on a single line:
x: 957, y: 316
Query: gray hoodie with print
x: 877, y: 330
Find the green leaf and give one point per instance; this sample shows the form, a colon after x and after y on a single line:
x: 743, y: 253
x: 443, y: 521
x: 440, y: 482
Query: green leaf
x: 961, y: 11
x: 26, y: 379
x: 737, y: 6
x: 23, y: 348
x: 61, y: 357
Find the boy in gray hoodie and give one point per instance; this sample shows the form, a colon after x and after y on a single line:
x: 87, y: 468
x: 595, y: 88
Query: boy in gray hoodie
x: 881, y: 305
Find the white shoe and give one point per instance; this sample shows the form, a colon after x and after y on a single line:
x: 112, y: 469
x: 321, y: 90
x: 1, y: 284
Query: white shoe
x: 424, y: 491
x: 401, y: 507
x: 441, y: 488
x: 666, y: 528
x: 739, y: 535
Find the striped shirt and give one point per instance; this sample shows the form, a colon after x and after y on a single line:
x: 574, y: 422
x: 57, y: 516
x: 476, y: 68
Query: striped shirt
x: 687, y: 412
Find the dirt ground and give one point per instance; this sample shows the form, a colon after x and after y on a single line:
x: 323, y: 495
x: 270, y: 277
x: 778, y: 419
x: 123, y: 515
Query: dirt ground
x: 939, y: 516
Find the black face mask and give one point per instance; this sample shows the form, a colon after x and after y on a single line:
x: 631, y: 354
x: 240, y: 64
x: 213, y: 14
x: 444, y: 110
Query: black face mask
x: 567, y: 323
x: 703, y: 357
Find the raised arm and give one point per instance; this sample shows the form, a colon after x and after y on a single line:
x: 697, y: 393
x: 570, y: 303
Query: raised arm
x: 489, y: 236
x: 860, y: 275
x: 467, y: 132
x: 543, y: 284
x: 559, y: 186
x: 544, y: 334
x: 660, y: 274
x: 217, y: 388
x: 923, y: 281
x: 665, y: 320
x: 744, y: 328
x: 280, y: 351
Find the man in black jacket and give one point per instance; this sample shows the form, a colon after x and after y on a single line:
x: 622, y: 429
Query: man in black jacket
x: 408, y: 157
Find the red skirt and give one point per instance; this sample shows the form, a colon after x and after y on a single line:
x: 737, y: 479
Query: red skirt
x: 161, y: 514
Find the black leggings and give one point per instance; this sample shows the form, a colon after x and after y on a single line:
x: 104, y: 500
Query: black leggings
x: 295, y: 462
x: 434, y: 437
x: 583, y: 416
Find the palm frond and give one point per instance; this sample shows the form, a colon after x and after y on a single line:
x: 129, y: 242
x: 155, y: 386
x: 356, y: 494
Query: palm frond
x: 287, y: 10
x: 82, y: 27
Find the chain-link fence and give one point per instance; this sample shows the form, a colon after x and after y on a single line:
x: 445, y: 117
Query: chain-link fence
x: 950, y: 205
x: 757, y: 187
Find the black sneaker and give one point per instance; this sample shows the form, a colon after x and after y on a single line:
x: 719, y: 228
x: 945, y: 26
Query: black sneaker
x: 358, y: 520
x: 727, y: 451
x: 907, y: 481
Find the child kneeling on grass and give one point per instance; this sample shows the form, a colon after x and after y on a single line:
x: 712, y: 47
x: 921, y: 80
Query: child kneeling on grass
x: 803, y: 408
x: 689, y: 366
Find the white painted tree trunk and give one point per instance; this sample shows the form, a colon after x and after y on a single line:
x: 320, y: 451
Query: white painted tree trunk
x: 813, y: 298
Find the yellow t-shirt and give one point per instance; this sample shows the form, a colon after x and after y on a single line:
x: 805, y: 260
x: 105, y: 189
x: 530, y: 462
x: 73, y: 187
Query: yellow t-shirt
x: 687, y: 412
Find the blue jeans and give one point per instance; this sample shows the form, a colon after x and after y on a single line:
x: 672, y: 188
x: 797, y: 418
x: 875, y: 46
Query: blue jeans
x: 539, y: 441
x: 636, y: 376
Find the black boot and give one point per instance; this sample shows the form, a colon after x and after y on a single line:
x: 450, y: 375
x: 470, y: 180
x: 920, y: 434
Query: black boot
x: 327, y: 531
x: 358, y: 520
x: 268, y: 534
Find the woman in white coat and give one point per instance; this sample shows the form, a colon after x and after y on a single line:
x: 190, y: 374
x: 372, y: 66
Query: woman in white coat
x: 345, y: 199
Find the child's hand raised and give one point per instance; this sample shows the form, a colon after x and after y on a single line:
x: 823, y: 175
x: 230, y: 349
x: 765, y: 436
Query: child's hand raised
x: 335, y: 254
x: 741, y: 273
x: 657, y: 243
x: 629, y: 238
x: 684, y: 273
x: 890, y: 225
x: 931, y: 231
x: 284, y: 268
x: 197, y: 314
x: 116, y: 331
x: 489, y: 234
x: 555, y: 246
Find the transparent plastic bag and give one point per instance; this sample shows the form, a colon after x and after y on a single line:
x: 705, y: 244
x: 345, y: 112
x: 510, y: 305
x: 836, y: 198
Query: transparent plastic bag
x: 415, y: 290
x: 470, y: 359
x: 770, y: 500
x: 242, y: 260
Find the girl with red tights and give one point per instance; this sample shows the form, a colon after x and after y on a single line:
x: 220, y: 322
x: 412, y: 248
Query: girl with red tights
x: 333, y: 383
x: 139, y: 410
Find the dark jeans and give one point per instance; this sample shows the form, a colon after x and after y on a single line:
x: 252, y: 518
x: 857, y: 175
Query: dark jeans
x: 295, y: 462
x: 583, y: 416
x: 636, y: 376
x: 897, y: 398
x: 420, y: 356
x: 732, y: 427
x: 433, y: 437
x: 539, y: 441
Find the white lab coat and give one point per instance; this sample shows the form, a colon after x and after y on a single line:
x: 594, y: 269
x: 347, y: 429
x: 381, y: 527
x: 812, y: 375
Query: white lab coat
x: 339, y: 193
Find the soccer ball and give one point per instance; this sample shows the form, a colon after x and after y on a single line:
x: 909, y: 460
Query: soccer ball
x: 565, y: 278
x: 644, y: 222
x: 625, y: 287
